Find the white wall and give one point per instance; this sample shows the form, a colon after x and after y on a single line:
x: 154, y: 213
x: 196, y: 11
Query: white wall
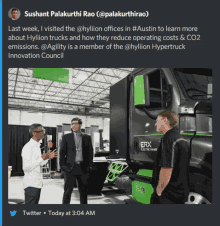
x: 16, y: 117
x: 106, y: 129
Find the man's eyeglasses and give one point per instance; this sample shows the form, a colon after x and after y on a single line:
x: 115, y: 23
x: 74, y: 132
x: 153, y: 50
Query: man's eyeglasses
x: 43, y: 130
x: 74, y: 124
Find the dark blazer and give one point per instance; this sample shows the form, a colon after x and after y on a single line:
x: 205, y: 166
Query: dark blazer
x: 68, y: 152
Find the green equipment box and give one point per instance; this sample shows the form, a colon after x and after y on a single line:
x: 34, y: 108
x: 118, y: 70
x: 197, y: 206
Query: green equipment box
x: 142, y: 191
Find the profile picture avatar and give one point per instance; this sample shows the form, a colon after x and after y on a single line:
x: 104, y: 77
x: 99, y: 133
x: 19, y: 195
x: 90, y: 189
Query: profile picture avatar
x: 14, y: 13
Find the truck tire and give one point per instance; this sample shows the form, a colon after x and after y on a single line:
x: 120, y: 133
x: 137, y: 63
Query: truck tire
x: 124, y: 183
x: 200, y: 189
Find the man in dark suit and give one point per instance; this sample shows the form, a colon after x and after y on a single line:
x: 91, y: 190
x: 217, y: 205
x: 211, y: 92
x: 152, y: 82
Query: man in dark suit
x: 76, y: 159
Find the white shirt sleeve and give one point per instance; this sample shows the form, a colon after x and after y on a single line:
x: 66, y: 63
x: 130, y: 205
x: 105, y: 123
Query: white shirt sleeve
x: 44, y: 162
x: 30, y: 160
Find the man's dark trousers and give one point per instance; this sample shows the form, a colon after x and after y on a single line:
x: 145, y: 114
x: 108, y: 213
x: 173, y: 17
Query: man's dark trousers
x: 69, y: 182
x: 32, y: 195
x: 164, y: 199
x: 72, y: 170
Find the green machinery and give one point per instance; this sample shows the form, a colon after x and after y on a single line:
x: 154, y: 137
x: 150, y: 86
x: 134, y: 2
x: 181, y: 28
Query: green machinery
x: 115, y: 169
x: 141, y: 187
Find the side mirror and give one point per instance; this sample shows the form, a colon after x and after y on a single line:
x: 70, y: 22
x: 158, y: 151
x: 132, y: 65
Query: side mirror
x: 141, y: 91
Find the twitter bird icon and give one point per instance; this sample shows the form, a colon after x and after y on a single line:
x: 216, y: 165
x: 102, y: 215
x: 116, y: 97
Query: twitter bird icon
x: 13, y: 213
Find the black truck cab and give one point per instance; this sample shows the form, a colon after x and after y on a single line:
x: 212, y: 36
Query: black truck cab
x: 135, y: 103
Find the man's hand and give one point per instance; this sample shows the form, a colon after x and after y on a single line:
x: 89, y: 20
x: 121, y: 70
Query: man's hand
x: 44, y: 156
x: 164, y: 178
x: 159, y: 191
x: 49, y: 155
x: 52, y: 154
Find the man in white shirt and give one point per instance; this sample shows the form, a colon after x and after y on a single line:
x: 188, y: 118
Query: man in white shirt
x: 32, y: 160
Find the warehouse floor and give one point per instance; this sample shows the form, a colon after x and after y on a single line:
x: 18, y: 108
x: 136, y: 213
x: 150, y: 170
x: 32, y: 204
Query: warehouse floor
x: 52, y: 193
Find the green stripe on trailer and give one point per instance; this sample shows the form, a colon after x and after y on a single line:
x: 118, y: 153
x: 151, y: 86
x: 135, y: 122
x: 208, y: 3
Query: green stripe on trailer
x: 208, y: 135
x: 189, y: 134
x: 148, y: 135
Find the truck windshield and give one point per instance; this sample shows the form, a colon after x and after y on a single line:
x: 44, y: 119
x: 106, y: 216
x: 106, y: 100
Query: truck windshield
x: 194, y: 82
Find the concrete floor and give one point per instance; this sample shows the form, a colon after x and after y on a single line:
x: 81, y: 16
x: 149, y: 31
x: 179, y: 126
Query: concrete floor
x: 52, y: 193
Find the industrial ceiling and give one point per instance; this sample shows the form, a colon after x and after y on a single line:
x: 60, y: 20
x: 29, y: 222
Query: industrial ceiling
x: 87, y: 93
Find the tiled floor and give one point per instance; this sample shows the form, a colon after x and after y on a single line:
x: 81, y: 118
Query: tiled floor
x: 52, y: 193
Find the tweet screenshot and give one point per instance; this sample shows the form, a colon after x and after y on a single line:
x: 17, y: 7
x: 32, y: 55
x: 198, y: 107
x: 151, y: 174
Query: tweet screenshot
x: 107, y: 110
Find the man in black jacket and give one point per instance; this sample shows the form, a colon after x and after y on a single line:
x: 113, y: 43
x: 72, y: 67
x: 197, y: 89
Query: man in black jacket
x: 76, y: 159
x: 171, y: 171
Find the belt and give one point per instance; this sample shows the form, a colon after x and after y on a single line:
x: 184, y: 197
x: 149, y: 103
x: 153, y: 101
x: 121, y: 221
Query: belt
x: 78, y: 162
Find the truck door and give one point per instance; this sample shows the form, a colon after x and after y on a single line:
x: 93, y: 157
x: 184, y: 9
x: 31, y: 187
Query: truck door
x: 152, y: 89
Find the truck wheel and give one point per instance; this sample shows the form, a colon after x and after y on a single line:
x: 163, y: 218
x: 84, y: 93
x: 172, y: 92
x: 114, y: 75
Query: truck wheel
x: 124, y: 183
x: 200, y: 190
